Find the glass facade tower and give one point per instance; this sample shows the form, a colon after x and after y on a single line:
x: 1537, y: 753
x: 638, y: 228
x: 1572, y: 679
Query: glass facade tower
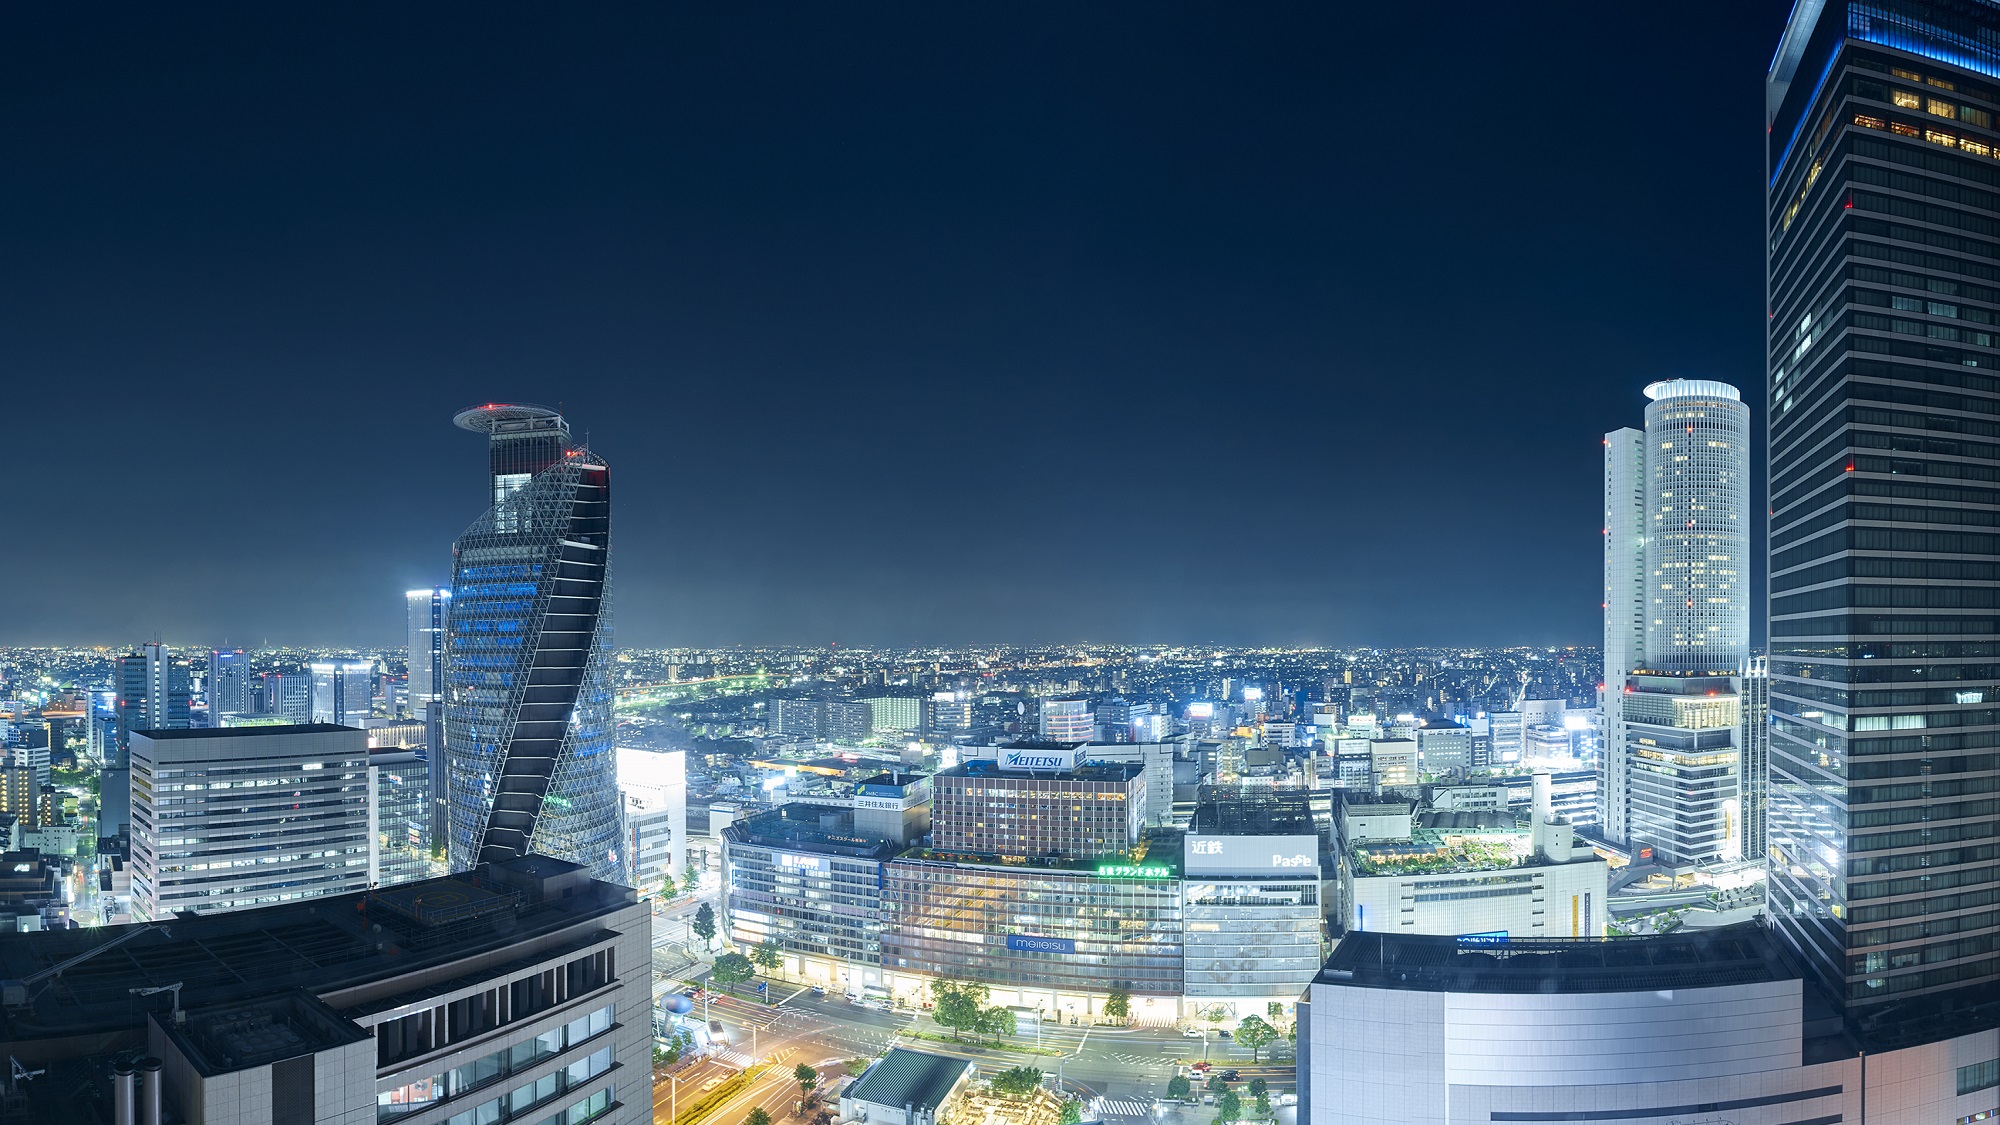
x: 1883, y: 235
x: 528, y: 726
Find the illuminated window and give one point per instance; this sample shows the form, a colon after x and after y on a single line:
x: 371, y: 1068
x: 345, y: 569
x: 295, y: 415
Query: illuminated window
x: 1909, y: 74
x: 1945, y: 139
x: 1867, y: 122
x: 1970, y: 145
x: 1937, y: 108
x: 1940, y: 83
x: 1904, y: 130
x: 1906, y: 99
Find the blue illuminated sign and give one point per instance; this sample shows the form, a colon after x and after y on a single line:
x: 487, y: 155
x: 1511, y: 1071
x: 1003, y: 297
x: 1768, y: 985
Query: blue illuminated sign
x: 1028, y: 943
x: 1491, y: 937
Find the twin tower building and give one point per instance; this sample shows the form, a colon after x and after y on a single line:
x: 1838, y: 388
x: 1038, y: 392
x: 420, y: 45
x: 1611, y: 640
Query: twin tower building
x: 1685, y: 706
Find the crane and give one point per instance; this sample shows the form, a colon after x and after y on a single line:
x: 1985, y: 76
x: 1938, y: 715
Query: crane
x: 16, y: 994
x: 175, y: 988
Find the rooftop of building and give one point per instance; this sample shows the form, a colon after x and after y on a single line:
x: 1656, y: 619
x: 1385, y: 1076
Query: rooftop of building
x: 1041, y: 744
x: 909, y: 1078
x: 78, y: 981
x: 820, y: 829
x: 1740, y: 954
x: 1085, y: 771
x: 168, y: 735
x: 1253, y: 813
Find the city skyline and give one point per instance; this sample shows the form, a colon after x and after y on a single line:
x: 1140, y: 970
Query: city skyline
x: 1146, y: 272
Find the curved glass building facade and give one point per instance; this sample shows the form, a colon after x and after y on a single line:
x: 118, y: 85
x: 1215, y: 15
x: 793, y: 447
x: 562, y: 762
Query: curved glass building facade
x: 528, y: 725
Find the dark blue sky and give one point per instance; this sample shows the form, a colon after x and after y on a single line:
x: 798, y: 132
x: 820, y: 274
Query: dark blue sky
x: 916, y: 323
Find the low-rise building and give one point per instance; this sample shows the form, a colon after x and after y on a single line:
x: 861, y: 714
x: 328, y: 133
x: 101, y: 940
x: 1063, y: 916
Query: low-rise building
x: 907, y: 1088
x: 1479, y: 871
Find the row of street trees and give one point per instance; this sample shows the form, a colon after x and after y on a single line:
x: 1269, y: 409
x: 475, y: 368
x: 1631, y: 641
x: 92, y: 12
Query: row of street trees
x: 962, y: 1006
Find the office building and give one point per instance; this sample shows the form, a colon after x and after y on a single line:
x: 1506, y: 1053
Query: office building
x: 1754, y: 744
x: 399, y: 798
x: 654, y: 785
x: 1676, y: 791
x: 1624, y: 612
x: 1507, y: 737
x: 342, y: 692
x: 527, y: 719
x: 1155, y: 758
x: 1444, y: 747
x: 1392, y: 763
x: 1068, y: 720
x: 153, y: 690
x: 208, y: 836
x: 1253, y: 923
x: 228, y: 684
x: 1038, y: 799
x: 288, y: 696
x: 893, y: 806
x: 950, y: 711
x: 520, y: 992
x: 803, y: 879
x: 1881, y: 221
x: 427, y: 612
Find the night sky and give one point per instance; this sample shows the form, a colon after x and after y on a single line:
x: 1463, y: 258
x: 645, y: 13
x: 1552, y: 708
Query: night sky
x: 897, y: 324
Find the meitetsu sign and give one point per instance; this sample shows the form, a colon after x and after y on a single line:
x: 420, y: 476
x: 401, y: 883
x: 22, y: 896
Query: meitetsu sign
x: 1029, y: 943
x: 1040, y: 759
x: 1216, y: 855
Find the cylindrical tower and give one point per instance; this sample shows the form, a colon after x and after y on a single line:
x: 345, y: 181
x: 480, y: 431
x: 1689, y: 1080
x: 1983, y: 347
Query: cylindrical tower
x: 1697, y: 527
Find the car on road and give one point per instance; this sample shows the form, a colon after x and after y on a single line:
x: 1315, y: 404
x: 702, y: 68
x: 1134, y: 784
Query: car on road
x: 1199, y: 1066
x: 817, y: 991
x: 1225, y: 1033
x: 1229, y: 1075
x: 1288, y: 1099
x: 711, y: 1084
x: 1194, y: 1033
x: 715, y: 1030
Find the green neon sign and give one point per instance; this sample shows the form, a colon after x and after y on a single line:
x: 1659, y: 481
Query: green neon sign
x: 1133, y: 871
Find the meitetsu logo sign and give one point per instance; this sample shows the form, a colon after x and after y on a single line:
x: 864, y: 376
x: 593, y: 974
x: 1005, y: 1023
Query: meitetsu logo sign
x: 1042, y: 758
x: 1029, y: 943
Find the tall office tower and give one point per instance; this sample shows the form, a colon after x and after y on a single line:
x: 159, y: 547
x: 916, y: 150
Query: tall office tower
x: 228, y: 683
x: 206, y: 835
x: 1624, y: 613
x: 528, y: 637
x: 399, y: 816
x: 342, y: 691
x: 153, y: 690
x: 288, y: 695
x: 1671, y: 788
x: 1883, y: 278
x: 427, y: 614
x: 1754, y: 742
x: 1068, y: 720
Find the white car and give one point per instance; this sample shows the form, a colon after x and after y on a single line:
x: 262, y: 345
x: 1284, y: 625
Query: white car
x: 1193, y: 1033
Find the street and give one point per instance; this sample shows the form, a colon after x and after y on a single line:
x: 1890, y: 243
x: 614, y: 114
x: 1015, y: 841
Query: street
x: 1129, y: 1067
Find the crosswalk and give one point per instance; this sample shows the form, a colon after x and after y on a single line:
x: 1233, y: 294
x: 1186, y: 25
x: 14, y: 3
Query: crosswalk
x: 1112, y: 1106
x: 1140, y: 1060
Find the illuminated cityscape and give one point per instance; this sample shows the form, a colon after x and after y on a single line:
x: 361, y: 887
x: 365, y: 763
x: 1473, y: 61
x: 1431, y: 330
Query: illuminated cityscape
x: 1102, y: 576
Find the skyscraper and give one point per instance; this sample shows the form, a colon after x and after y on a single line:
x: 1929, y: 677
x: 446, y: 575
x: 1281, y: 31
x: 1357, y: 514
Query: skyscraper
x: 1672, y: 786
x: 153, y: 690
x: 342, y: 691
x: 228, y: 687
x: 1883, y: 233
x: 427, y: 632
x: 1624, y: 616
x: 527, y: 689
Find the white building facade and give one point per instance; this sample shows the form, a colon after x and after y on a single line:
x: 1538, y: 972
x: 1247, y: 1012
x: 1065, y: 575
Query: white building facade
x: 247, y: 816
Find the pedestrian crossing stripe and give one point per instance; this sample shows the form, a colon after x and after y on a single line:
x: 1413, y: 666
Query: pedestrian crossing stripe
x: 1119, y: 1107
